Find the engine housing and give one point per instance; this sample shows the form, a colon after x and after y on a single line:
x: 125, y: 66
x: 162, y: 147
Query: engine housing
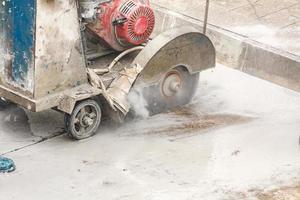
x: 122, y: 24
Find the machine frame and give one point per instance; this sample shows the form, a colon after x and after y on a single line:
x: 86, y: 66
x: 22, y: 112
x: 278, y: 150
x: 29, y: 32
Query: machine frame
x: 57, y: 75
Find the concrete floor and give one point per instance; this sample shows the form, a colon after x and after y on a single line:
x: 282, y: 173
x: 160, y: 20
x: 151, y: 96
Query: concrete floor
x: 238, y: 139
x: 272, y: 22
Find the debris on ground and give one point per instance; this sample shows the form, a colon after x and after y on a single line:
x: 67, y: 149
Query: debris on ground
x: 289, y: 193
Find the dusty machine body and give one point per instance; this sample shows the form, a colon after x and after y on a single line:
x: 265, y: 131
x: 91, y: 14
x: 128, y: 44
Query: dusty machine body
x: 85, y: 57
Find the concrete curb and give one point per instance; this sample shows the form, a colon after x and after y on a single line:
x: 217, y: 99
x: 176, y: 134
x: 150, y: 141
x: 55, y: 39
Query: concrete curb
x: 239, y: 52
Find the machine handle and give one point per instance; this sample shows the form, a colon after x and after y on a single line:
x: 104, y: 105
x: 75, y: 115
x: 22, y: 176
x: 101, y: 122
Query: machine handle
x: 206, y: 17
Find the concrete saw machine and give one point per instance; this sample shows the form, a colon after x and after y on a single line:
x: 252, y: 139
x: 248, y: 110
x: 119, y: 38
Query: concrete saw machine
x: 86, y: 58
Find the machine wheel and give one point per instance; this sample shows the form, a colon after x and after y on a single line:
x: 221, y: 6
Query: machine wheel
x: 84, y: 120
x: 176, y: 88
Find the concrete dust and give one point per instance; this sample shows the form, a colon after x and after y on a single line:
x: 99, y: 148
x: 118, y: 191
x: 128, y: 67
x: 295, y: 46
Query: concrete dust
x: 278, y: 193
x: 177, y: 123
x: 284, y: 193
x: 138, y: 103
x: 189, y: 122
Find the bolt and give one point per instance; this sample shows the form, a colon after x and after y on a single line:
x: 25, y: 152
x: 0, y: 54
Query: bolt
x: 87, y: 121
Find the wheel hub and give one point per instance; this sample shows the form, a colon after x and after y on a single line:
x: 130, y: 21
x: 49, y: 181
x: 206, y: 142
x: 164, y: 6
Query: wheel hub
x: 171, y: 84
x: 87, y: 121
x: 85, y: 118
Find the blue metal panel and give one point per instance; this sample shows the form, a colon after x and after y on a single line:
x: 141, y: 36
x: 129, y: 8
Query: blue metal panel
x: 18, y: 27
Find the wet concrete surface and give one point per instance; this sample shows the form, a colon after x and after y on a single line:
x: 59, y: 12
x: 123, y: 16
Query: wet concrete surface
x: 238, y: 139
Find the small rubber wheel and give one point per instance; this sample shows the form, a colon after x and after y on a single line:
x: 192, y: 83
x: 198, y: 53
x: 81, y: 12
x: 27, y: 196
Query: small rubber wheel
x: 84, y: 120
x: 176, y: 88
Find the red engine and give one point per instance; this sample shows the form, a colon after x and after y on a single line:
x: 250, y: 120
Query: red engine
x: 123, y: 23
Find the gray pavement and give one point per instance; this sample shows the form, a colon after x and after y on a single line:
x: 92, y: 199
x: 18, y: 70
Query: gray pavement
x: 272, y: 22
x: 238, y: 136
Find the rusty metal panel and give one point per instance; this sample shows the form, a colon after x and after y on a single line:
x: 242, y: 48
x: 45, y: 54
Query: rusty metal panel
x: 17, y: 29
x: 59, y: 64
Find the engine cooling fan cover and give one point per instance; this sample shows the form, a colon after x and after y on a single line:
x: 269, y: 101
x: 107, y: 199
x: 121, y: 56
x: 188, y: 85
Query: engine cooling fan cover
x: 139, y: 21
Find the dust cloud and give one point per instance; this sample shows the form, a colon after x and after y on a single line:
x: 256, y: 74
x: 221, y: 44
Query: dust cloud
x: 138, y: 103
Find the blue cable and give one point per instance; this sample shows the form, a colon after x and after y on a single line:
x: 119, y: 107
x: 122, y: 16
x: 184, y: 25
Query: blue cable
x: 6, y: 165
